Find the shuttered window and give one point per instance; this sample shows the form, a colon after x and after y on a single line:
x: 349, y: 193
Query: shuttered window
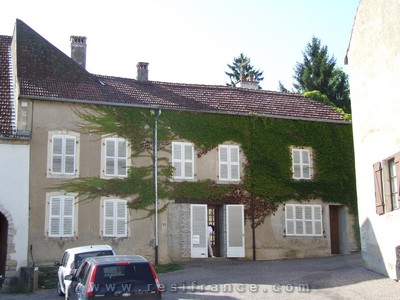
x: 303, y: 220
x: 115, y: 222
x: 229, y: 162
x: 183, y: 160
x: 378, y: 184
x: 61, y: 216
x: 115, y: 157
x: 301, y: 164
x: 63, y: 154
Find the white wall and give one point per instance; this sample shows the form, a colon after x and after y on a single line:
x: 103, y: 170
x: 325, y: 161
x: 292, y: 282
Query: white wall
x: 14, y: 195
x: 374, y: 72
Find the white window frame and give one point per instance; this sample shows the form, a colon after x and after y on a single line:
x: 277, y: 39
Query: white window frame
x: 183, y: 160
x: 303, y: 220
x: 302, y: 163
x: 64, y: 154
x: 61, y: 216
x: 115, y: 222
x: 115, y: 158
x: 229, y: 163
x: 393, y: 188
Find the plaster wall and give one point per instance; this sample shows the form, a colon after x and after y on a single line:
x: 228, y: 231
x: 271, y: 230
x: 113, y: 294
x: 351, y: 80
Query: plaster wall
x: 14, y: 201
x: 374, y: 73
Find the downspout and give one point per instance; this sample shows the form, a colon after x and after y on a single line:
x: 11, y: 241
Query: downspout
x: 155, y: 164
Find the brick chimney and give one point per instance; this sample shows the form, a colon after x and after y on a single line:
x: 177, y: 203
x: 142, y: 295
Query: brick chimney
x: 142, y: 71
x: 78, y: 50
x: 249, y: 84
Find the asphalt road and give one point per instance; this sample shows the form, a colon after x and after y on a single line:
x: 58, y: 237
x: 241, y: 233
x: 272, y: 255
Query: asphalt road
x: 335, y: 277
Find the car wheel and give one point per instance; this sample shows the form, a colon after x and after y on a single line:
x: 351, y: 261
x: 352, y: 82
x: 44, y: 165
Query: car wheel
x: 59, y: 291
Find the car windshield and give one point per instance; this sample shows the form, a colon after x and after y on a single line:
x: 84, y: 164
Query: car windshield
x: 81, y: 256
x: 137, y: 275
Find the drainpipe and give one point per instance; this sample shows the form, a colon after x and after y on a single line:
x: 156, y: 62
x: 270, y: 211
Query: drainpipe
x: 155, y: 164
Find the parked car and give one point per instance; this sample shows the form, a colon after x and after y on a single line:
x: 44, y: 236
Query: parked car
x: 113, y: 277
x: 71, y: 260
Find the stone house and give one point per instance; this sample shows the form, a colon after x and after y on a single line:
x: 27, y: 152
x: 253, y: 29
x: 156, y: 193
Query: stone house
x: 54, y: 87
x: 373, y: 57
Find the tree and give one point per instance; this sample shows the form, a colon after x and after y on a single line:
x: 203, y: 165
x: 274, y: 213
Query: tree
x: 241, y: 66
x: 318, y: 72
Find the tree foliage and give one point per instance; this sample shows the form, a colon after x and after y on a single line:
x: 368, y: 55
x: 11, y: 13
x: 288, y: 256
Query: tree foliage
x: 241, y: 67
x: 318, y: 72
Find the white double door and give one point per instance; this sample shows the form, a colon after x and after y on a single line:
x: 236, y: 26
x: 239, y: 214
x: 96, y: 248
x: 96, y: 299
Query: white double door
x: 233, y: 230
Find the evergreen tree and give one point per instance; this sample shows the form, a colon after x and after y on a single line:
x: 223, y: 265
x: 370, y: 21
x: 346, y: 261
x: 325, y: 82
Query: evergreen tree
x: 318, y: 72
x: 241, y: 66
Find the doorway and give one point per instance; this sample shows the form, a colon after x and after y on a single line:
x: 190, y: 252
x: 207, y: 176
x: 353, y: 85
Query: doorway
x: 334, y: 226
x: 3, y: 243
x: 213, y: 220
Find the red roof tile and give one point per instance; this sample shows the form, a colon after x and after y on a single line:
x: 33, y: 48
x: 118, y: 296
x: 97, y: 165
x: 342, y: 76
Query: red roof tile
x: 44, y: 72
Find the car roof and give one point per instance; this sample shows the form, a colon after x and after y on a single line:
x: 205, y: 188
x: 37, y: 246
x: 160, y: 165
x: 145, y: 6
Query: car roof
x: 88, y: 248
x: 110, y: 259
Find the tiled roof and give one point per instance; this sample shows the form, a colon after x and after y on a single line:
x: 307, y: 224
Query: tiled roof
x: 44, y: 72
x: 7, y: 112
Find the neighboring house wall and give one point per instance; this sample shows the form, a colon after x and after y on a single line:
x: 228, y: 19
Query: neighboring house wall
x: 14, y: 202
x: 374, y: 71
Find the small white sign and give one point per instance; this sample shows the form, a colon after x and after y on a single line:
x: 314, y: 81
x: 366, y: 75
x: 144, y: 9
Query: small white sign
x: 196, y: 239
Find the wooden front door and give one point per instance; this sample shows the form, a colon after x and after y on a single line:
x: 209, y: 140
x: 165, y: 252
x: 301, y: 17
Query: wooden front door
x: 334, y: 225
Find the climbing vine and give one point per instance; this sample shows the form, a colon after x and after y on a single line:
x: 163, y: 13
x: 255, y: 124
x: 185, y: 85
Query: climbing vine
x: 265, y: 142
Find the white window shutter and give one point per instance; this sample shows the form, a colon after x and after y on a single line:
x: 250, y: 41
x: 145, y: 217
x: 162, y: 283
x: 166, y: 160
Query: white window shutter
x: 223, y: 163
x: 122, y: 157
x: 57, y: 143
x: 301, y: 164
x: 108, y: 229
x: 318, y: 220
x: 70, y: 143
x: 177, y: 159
x: 229, y: 162
x: 55, y: 216
x: 188, y: 150
x: 183, y: 160
x: 110, y: 157
x: 234, y: 163
x: 308, y: 220
x: 68, y: 218
x: 121, y: 218
x: 303, y: 220
x: 289, y: 211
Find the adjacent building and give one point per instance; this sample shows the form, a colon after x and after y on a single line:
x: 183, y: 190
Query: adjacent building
x: 373, y: 57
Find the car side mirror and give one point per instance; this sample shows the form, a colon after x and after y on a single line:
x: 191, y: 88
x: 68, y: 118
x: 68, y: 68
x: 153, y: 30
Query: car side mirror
x: 57, y: 264
x: 70, y: 277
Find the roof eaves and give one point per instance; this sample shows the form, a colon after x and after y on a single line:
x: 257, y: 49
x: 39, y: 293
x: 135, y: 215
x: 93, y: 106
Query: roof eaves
x: 111, y: 103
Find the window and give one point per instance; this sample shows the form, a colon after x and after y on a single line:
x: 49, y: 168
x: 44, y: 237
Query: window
x: 386, y: 184
x: 183, y: 160
x: 301, y: 159
x: 393, y: 184
x: 63, y: 154
x: 115, y: 156
x: 229, y: 167
x: 61, y: 216
x: 115, y: 218
x: 303, y: 220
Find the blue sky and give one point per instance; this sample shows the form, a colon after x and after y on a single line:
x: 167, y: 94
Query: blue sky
x: 190, y: 41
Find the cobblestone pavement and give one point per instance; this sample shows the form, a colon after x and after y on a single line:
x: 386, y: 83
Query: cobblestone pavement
x: 335, y: 277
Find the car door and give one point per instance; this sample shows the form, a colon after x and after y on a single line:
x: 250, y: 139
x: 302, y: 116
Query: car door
x: 77, y: 288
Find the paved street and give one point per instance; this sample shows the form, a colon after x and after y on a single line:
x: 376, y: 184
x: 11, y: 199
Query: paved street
x: 336, y: 277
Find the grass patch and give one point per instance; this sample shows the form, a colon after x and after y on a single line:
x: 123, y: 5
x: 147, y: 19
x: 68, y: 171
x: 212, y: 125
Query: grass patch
x: 167, y: 268
x: 47, y: 277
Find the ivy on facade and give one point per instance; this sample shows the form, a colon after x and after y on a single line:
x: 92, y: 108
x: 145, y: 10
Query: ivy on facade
x: 265, y: 142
